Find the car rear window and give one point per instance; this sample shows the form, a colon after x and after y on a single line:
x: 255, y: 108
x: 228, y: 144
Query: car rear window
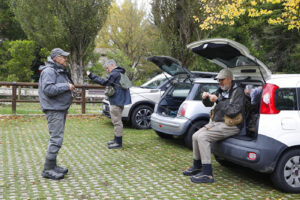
x: 181, y: 90
x: 206, y: 87
x: 286, y: 99
x: 155, y: 84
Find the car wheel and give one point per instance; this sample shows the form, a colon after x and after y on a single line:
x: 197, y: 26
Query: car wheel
x: 140, y: 118
x: 195, y: 126
x: 163, y: 135
x: 287, y: 172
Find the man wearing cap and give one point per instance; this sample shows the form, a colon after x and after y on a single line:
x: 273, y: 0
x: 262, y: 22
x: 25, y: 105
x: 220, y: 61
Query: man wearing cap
x: 229, y: 101
x: 55, y: 94
x: 117, y: 101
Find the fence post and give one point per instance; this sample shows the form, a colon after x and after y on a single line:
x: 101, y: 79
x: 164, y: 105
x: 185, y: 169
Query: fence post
x: 19, y: 92
x: 14, y: 98
x: 83, y: 98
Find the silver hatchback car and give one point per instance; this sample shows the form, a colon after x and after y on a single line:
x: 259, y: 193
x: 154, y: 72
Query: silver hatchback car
x: 180, y: 111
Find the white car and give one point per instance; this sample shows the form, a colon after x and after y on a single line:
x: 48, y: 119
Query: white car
x: 180, y: 111
x: 145, y: 97
x: 143, y: 101
x: 274, y: 146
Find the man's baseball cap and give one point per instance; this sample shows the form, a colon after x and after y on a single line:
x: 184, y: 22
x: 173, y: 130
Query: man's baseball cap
x: 58, y: 52
x: 224, y: 73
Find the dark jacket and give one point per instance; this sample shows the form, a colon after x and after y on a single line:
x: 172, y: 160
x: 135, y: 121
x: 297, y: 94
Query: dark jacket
x: 223, y: 105
x: 121, y: 96
x: 54, y: 89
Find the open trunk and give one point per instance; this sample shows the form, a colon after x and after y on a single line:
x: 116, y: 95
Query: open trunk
x: 173, y: 98
x: 253, y: 91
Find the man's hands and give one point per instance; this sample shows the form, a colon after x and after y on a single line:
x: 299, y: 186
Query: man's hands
x: 88, y: 73
x: 213, y: 98
x: 72, y: 87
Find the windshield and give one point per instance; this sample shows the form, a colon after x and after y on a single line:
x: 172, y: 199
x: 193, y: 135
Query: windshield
x: 156, y: 82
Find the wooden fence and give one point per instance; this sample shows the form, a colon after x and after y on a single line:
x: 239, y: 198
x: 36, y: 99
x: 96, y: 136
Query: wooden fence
x: 80, y: 99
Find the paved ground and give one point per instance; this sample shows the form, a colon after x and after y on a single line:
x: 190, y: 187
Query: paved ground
x: 148, y: 167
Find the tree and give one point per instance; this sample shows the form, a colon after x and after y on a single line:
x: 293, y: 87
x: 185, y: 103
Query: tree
x: 16, y: 60
x: 275, y: 45
x: 10, y: 28
x: 129, y: 35
x: 177, y: 26
x: 287, y: 12
x: 69, y: 24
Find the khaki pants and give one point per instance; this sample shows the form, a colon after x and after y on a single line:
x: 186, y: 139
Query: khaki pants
x: 211, y: 132
x: 116, y: 118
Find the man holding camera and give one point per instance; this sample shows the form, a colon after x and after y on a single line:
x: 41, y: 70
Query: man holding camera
x: 55, y: 94
x: 117, y: 100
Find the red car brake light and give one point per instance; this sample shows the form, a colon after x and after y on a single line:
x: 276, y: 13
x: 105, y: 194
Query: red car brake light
x: 182, y: 110
x: 267, y: 105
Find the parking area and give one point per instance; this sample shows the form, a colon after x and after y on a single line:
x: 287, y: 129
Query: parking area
x: 148, y: 167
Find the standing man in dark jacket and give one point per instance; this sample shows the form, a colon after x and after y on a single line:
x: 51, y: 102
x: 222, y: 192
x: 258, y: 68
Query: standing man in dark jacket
x: 117, y: 101
x: 229, y: 100
x: 55, y: 86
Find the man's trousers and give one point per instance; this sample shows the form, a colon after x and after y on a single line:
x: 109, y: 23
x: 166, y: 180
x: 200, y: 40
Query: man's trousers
x: 56, y: 125
x: 211, y: 132
x: 116, y: 118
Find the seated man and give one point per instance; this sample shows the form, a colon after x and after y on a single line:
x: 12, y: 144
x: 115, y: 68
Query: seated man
x: 229, y: 100
x: 253, y: 97
x: 254, y: 94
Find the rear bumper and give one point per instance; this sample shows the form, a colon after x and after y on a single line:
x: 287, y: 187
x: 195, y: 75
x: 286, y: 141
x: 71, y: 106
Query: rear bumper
x: 236, y: 150
x: 168, y: 125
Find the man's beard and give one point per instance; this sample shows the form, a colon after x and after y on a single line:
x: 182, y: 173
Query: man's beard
x: 225, y: 87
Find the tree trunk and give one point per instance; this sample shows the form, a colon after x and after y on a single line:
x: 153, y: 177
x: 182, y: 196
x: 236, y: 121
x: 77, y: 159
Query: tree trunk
x: 76, y: 68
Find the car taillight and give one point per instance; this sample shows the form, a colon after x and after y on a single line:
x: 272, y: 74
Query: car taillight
x: 182, y: 110
x: 252, y: 156
x: 267, y: 105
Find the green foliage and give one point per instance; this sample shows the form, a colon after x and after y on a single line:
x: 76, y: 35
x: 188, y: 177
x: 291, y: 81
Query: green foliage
x: 294, y: 61
x: 177, y: 25
x: 122, y: 60
x: 68, y: 24
x: 131, y: 37
x: 16, y: 60
x: 10, y: 28
x: 201, y: 64
x: 274, y: 45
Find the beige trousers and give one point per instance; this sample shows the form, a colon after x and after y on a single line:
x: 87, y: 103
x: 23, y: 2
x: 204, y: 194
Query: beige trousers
x: 116, y: 118
x: 211, y: 132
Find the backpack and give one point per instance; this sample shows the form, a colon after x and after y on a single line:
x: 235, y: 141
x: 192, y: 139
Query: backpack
x: 125, y: 83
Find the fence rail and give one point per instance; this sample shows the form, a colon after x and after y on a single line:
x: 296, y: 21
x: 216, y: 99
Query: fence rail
x: 82, y: 95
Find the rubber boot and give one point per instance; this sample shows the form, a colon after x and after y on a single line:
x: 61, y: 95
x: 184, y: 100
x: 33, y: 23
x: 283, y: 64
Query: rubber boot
x: 206, y: 176
x: 49, y: 170
x: 193, y: 170
x: 117, y: 144
x: 112, y: 141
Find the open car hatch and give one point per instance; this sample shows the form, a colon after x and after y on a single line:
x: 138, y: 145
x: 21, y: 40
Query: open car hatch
x: 230, y: 54
x: 169, y: 65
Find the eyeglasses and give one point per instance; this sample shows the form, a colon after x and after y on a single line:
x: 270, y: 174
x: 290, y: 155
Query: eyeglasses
x: 64, y: 57
x: 220, y: 80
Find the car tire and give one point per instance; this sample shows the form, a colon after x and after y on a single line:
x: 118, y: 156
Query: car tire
x: 140, y: 118
x: 164, y: 135
x: 195, y: 126
x: 287, y: 172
